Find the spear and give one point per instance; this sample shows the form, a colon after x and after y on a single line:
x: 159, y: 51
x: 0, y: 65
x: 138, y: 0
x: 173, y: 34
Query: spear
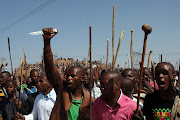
x: 10, y: 55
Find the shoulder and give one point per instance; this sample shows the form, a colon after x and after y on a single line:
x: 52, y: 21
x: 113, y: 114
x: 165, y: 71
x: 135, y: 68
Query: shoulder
x: 38, y: 97
x: 126, y: 100
x: 22, y: 96
x: 152, y: 95
x: 86, y: 97
x: 99, y: 101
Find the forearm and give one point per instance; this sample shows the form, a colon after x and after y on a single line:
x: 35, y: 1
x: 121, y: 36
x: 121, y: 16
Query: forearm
x: 51, y: 71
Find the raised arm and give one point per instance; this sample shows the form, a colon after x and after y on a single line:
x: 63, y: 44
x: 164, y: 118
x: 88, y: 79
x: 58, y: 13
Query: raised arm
x: 51, y: 71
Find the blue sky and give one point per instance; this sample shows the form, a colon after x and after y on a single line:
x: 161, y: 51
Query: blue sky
x: 73, y: 18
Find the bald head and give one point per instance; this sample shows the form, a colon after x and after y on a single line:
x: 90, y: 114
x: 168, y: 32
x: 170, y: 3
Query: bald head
x: 166, y: 65
x: 129, y: 73
x: 114, y: 75
x: 88, y: 70
x: 77, y: 69
x: 127, y: 86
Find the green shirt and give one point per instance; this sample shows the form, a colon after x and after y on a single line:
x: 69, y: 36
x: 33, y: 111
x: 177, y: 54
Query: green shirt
x: 73, y: 112
x: 22, y: 86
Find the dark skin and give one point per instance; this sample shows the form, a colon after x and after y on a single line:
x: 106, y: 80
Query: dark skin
x: 146, y: 78
x: 87, y: 78
x: 164, y: 75
x: 74, y: 82
x: 127, y: 87
x: 11, y: 91
x: 43, y: 86
x: 165, y: 78
x: 73, y: 74
x: 3, y: 78
x: 146, y: 74
x: 33, y: 76
x: 110, y: 87
x: 129, y: 74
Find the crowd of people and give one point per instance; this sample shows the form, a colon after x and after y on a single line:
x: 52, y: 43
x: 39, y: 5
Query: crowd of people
x: 55, y: 95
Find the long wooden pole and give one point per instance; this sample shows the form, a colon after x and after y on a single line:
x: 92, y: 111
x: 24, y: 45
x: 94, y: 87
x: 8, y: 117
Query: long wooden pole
x: 118, y: 48
x: 90, y: 73
x: 88, y: 57
x: 131, y: 49
x: 22, y: 68
x: 107, y: 54
x: 149, y: 58
x: 10, y: 55
x: 25, y: 65
x: 147, y: 29
x: 113, y: 37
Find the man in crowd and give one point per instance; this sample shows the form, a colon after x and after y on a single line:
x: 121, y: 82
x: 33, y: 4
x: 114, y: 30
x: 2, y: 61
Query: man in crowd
x: 148, y: 77
x: 9, y: 104
x: 72, y: 101
x: 43, y: 103
x: 34, y: 74
x: 96, y: 92
x: 163, y: 103
x: 113, y: 104
x: 128, y: 89
x: 4, y: 76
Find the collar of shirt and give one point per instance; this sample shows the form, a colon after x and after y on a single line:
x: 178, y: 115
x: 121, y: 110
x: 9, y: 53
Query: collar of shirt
x: 119, y: 97
x: 52, y: 92
x: 119, y: 101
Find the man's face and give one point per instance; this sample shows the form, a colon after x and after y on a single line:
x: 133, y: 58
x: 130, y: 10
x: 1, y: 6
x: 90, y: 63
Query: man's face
x: 42, y: 84
x: 10, y: 89
x: 164, y: 76
x: 3, y: 78
x: 130, y: 74
x: 34, y: 76
x: 147, y: 74
x: 107, y: 86
x: 87, y: 77
x: 74, y: 78
x: 86, y: 80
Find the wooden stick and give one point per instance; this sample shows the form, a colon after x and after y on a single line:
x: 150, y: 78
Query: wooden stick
x: 118, y: 48
x: 22, y: 68
x: 154, y: 65
x: 10, y: 55
x: 131, y: 49
x: 149, y: 58
x: 107, y: 54
x: 147, y: 29
x: 26, y: 87
x: 125, y: 65
x: 25, y: 64
x: 104, y: 60
x: 90, y: 73
x: 113, y: 37
x: 88, y: 57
